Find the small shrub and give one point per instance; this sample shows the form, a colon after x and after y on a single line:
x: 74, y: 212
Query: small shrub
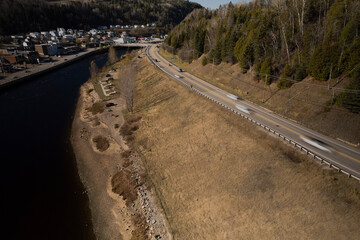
x: 123, y: 183
x: 97, y: 107
x: 126, y: 154
x: 125, y: 129
x: 300, y: 73
x: 266, y: 70
x: 284, y: 84
x: 134, y: 128
x: 205, y: 61
x: 288, y: 71
x: 102, y: 144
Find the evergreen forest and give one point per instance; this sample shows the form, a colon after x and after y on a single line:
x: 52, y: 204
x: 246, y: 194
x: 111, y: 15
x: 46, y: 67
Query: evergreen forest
x: 282, y: 41
x: 22, y: 16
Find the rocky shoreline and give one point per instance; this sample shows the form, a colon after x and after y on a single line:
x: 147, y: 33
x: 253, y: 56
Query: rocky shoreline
x: 111, y: 170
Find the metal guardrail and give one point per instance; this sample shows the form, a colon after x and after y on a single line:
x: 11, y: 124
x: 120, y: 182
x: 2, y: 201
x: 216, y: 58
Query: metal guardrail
x: 296, y: 145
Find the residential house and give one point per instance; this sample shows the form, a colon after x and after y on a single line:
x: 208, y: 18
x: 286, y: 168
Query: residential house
x: 54, y: 33
x: 46, y: 49
x: 35, y: 35
x: 61, y: 32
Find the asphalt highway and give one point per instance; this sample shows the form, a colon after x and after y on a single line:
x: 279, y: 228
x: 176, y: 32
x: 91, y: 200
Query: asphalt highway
x: 336, y: 154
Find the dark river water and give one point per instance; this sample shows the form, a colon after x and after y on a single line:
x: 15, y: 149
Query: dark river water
x: 42, y: 196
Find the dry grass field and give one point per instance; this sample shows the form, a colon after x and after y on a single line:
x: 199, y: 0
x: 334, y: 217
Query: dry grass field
x: 218, y: 176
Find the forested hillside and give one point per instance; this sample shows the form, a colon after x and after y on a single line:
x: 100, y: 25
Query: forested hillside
x: 281, y: 41
x: 18, y: 16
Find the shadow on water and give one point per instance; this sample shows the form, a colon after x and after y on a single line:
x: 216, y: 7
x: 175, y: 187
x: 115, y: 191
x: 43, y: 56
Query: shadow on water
x: 42, y: 195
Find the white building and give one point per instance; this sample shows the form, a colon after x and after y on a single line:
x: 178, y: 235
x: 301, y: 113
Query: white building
x: 52, y: 49
x: 61, y: 32
x: 93, y: 32
x: 125, y: 40
x: 34, y: 35
x: 53, y: 33
x: 46, y: 34
x: 68, y: 37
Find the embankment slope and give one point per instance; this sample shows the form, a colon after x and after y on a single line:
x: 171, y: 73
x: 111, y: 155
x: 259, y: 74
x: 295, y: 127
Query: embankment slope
x: 306, y: 102
x: 220, y: 177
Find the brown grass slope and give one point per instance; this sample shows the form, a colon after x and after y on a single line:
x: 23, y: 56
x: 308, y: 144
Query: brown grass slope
x: 308, y: 100
x: 220, y: 177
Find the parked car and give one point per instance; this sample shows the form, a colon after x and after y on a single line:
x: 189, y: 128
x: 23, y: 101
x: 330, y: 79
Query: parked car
x: 110, y: 79
x: 109, y: 104
x: 180, y: 70
x: 107, y: 75
x: 112, y: 70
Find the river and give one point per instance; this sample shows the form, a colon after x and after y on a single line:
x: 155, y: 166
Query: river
x: 42, y: 196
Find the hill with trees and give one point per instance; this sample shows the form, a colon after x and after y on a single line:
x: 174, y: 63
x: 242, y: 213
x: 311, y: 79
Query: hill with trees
x: 281, y: 41
x: 20, y: 16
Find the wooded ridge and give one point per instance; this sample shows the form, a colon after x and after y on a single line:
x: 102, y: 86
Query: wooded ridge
x: 20, y: 16
x: 283, y: 41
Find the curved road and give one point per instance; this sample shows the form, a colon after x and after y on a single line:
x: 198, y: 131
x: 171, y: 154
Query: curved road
x: 327, y: 150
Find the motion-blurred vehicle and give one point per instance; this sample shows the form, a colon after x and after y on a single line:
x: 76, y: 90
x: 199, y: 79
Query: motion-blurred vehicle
x: 243, y: 109
x: 316, y: 143
x: 233, y: 97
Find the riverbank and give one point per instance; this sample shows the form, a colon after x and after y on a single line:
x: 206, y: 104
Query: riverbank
x: 36, y: 70
x: 122, y: 205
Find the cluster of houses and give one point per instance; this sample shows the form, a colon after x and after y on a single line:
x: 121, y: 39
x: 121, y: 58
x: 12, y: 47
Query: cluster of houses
x: 37, y: 47
x: 129, y: 26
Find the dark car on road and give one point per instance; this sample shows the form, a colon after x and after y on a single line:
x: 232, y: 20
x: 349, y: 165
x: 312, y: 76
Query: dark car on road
x: 108, y: 75
x: 109, y: 104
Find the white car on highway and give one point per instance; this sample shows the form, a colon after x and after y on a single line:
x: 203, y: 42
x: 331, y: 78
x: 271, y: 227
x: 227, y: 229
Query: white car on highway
x: 243, y: 109
x: 233, y: 97
x: 316, y: 143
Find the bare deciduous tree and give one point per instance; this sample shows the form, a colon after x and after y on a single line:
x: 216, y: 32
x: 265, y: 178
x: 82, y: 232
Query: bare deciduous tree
x: 93, y: 69
x: 300, y: 9
x: 112, y: 55
x: 127, y: 79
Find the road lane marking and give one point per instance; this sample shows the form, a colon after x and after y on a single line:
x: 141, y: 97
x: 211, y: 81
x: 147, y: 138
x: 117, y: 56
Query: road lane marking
x: 206, y: 88
x: 279, y: 124
x: 345, y: 155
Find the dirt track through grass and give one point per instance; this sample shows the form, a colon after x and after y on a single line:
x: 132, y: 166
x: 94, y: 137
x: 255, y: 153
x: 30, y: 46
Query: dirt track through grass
x: 220, y: 177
